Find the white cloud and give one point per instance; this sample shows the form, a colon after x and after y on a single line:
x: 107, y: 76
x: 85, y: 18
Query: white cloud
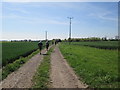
x: 60, y: 0
x: 104, y: 16
x: 18, y: 10
x: 36, y: 20
x: 108, y: 18
x: 102, y: 13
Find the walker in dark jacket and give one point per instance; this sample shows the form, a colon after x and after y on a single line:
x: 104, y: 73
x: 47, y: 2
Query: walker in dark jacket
x: 40, y: 46
x: 47, y: 45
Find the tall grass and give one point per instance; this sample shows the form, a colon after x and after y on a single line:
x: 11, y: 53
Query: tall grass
x: 97, y: 67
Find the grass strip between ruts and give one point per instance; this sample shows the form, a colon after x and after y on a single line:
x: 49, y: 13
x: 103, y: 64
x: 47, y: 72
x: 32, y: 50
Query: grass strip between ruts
x: 41, y: 78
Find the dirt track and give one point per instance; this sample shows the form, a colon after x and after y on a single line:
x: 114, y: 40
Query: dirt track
x: 62, y: 75
x: 23, y: 76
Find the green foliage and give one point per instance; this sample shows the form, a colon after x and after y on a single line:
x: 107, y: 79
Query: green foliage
x: 0, y: 54
x: 41, y: 78
x: 97, y: 67
x: 99, y: 44
x: 14, y: 50
x: 9, y: 68
x: 91, y: 39
x: 86, y: 39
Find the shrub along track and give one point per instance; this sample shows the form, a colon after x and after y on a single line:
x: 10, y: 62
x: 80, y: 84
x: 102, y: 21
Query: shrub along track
x: 22, y: 78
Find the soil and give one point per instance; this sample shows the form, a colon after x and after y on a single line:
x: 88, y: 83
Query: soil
x: 62, y: 75
x: 22, y: 78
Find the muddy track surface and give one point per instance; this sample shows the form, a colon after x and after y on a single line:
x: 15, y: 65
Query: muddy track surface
x: 22, y: 78
x: 62, y: 75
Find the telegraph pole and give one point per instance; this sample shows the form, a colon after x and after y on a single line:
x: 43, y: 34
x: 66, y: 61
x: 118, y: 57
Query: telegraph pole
x: 70, y: 29
x: 46, y: 35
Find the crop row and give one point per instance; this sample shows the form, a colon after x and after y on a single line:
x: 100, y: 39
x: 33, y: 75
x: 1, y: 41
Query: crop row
x: 14, y: 50
x: 99, y: 44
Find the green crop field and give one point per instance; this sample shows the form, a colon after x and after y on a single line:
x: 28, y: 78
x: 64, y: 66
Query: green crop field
x: 99, y: 44
x: 97, y: 67
x: 14, y: 50
x: 0, y: 54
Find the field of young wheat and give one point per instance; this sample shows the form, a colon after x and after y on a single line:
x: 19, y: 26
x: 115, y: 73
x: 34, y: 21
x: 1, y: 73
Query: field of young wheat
x: 14, y: 50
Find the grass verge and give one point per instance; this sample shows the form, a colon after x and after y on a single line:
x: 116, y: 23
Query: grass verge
x: 41, y: 78
x: 98, y: 68
x: 9, y: 68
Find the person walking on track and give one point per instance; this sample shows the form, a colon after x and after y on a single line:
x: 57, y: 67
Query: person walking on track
x: 47, y: 45
x: 40, y: 44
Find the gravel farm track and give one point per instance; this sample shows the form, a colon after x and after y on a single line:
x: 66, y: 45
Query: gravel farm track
x: 61, y: 75
x: 22, y: 78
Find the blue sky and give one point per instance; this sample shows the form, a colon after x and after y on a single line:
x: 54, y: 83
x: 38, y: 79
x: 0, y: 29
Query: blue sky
x: 30, y: 20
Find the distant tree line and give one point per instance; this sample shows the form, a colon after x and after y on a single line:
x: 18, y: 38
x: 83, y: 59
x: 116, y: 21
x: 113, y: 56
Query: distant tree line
x: 72, y: 39
x: 90, y: 39
x: 58, y: 40
x: 26, y: 40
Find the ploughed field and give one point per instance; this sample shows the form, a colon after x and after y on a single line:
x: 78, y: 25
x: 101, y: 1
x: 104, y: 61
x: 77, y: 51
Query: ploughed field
x: 96, y: 67
x: 14, y: 50
x: 99, y: 44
